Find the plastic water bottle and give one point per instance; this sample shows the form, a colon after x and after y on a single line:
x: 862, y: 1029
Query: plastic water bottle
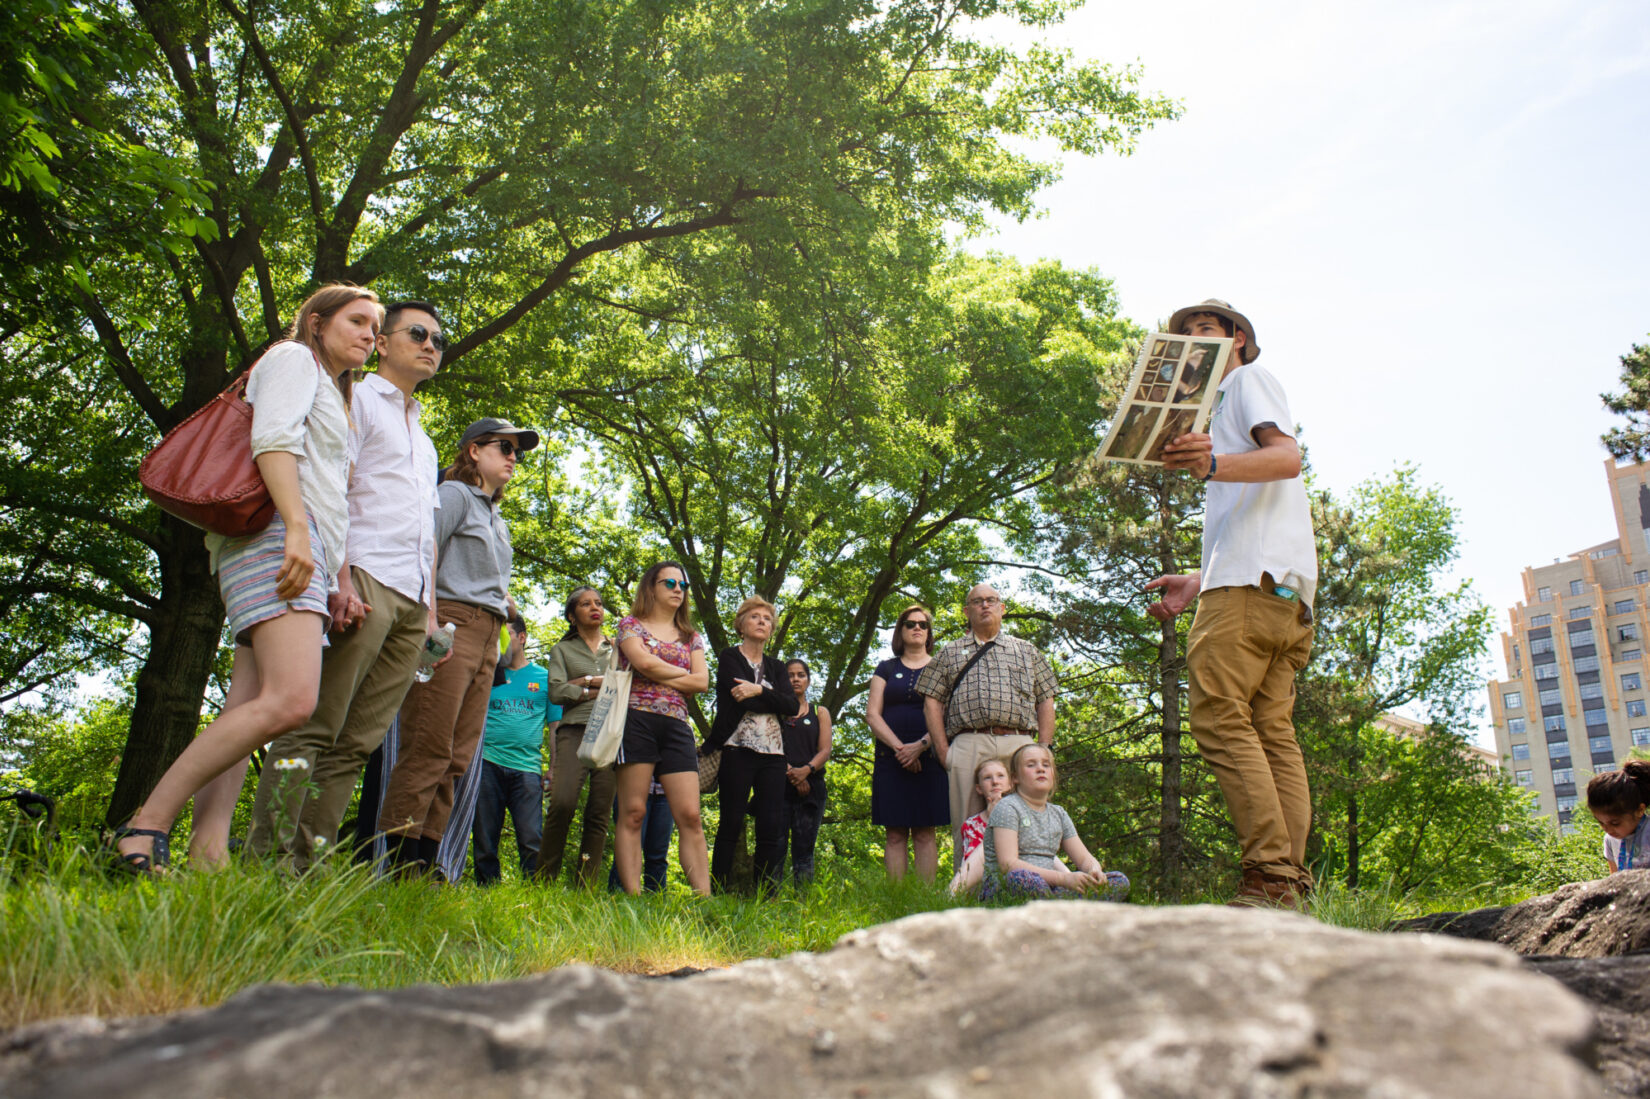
x: 436, y: 646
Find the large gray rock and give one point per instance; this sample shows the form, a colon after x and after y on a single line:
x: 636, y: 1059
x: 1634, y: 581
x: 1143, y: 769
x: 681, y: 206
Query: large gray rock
x: 1590, y: 919
x: 1057, y: 998
x: 1619, y: 990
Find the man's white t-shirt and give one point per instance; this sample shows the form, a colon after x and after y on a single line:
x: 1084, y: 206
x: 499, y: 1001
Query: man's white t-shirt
x: 1249, y: 529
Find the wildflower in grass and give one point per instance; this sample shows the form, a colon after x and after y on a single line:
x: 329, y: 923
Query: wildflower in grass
x: 293, y: 764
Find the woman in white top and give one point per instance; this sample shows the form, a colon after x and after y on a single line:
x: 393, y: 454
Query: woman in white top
x: 274, y: 583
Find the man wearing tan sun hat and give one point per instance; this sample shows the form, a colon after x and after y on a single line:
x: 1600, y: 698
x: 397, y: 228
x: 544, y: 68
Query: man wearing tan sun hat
x: 1253, y: 628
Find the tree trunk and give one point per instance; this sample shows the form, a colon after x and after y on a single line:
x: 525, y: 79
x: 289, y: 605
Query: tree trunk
x: 183, y: 643
x: 1352, y: 839
x: 1171, y: 839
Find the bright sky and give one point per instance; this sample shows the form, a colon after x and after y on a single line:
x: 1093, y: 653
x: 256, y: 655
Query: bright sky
x: 1435, y: 212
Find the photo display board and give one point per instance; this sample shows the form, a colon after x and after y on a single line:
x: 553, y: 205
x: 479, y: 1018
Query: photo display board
x: 1171, y: 392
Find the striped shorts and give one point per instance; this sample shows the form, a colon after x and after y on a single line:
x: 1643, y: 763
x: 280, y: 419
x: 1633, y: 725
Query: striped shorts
x: 247, y: 568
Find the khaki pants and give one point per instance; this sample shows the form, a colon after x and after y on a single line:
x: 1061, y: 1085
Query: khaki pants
x: 441, y: 724
x: 1245, y: 647
x: 968, y: 751
x: 365, y: 673
x: 568, y: 781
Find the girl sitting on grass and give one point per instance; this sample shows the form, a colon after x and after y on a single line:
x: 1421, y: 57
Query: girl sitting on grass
x: 1618, y: 799
x: 991, y: 782
x: 1027, y: 834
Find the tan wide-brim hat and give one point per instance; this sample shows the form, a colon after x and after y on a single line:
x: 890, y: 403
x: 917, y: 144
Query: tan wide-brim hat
x: 1251, y: 349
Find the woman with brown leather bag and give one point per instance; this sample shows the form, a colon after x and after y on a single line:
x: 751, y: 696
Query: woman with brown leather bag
x: 274, y: 582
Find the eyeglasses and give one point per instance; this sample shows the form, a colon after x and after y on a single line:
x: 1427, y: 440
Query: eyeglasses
x: 505, y: 447
x: 419, y: 334
x: 984, y: 601
x: 674, y: 584
x: 915, y: 624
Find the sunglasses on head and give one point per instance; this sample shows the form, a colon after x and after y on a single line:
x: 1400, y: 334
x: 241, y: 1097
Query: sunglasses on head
x: 674, y: 584
x: 419, y: 334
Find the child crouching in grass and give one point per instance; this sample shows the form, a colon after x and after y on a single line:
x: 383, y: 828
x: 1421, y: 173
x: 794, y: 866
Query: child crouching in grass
x: 1618, y: 799
x: 991, y: 782
x: 1027, y: 834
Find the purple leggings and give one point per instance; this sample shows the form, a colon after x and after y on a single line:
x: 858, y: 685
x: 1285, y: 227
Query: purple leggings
x: 1027, y: 883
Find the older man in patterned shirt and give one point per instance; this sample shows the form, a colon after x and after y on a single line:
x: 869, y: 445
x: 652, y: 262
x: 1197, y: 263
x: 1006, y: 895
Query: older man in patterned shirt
x: 984, y: 705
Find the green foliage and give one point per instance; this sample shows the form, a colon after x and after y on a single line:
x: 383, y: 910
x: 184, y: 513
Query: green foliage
x: 1432, y: 819
x: 1389, y: 635
x: 71, y: 758
x: 1631, y: 441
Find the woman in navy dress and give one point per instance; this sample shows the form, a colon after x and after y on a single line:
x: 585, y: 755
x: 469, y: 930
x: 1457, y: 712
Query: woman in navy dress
x: 909, y: 793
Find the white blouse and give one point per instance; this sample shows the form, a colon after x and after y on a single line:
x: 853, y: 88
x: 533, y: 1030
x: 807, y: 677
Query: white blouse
x: 298, y: 410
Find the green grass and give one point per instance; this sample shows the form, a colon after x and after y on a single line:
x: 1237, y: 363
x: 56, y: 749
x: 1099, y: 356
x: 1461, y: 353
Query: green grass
x: 74, y: 940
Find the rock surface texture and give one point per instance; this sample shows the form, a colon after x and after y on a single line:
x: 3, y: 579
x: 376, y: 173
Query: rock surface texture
x: 1590, y: 919
x: 1594, y: 937
x: 1056, y: 998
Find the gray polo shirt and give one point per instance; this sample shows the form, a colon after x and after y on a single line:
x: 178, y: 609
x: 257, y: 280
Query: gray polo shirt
x: 473, y: 553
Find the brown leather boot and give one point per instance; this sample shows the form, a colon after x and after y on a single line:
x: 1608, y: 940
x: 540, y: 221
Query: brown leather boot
x: 1262, y: 890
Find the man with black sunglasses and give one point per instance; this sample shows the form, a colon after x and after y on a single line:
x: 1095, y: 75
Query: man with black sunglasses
x: 384, y: 607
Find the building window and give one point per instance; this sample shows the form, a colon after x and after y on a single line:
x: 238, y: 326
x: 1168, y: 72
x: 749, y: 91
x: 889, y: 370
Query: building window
x: 1577, y: 587
x: 1524, y: 778
x: 1629, y: 632
x: 1540, y: 645
x: 1630, y: 682
x: 1580, y: 612
x: 1547, y: 671
x: 1543, y: 595
x: 1635, y: 707
x: 1586, y: 664
x: 1521, y: 751
x: 1512, y: 700
x: 1563, y: 774
x: 1540, y: 620
x: 1581, y: 638
x: 1552, y: 697
x: 1641, y: 737
x: 1558, y: 749
x: 1600, y: 766
x: 1566, y: 803
x: 1591, y: 690
x: 1624, y: 606
x: 1642, y: 576
x: 1598, y: 744
x: 1554, y: 724
x: 1595, y: 718
x: 1515, y: 726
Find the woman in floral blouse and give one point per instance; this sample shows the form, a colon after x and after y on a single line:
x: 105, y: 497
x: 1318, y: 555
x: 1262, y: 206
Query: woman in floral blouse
x: 658, y: 643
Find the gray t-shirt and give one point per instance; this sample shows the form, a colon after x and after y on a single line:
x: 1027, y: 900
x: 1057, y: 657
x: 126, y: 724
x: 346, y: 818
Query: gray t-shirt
x: 473, y: 552
x: 1041, y: 832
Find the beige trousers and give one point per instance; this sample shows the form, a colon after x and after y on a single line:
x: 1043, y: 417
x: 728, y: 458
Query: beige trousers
x: 1245, y: 647
x: 365, y: 673
x: 968, y: 751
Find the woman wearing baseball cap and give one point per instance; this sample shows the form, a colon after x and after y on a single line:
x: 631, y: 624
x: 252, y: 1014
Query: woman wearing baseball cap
x: 441, y: 720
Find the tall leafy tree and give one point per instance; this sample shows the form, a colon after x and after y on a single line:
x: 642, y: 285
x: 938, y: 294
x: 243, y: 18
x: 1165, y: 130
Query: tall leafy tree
x: 1111, y: 529
x: 486, y: 154
x: 836, y: 459
x: 1631, y: 440
x: 1391, y: 633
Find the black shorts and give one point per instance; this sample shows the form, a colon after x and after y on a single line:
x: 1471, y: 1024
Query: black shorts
x: 666, y: 742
